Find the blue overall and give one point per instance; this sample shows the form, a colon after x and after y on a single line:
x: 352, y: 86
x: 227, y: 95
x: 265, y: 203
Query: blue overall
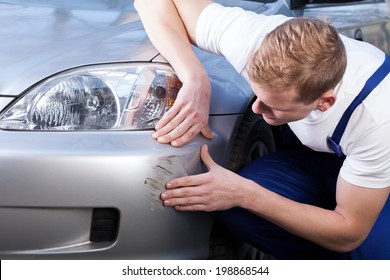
x: 304, y: 175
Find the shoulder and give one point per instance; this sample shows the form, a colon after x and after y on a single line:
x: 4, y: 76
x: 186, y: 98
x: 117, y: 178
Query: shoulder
x: 218, y: 12
x: 233, y: 32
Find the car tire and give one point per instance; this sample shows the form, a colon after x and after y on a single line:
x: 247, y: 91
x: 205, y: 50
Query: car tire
x: 254, y: 138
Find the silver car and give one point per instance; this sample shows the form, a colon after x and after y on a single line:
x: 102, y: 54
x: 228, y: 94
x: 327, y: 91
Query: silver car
x: 81, y: 88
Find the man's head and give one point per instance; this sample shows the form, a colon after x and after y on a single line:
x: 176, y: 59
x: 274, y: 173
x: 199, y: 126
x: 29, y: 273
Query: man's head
x: 306, y: 55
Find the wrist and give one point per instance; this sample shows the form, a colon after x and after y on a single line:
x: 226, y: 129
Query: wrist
x: 194, y: 73
x: 191, y: 72
x: 250, y: 195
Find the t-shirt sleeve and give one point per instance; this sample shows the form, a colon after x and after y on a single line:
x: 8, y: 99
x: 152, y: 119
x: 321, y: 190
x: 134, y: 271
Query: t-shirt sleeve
x: 368, y: 163
x: 233, y: 32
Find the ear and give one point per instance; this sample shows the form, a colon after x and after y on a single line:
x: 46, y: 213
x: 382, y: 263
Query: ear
x: 326, y: 101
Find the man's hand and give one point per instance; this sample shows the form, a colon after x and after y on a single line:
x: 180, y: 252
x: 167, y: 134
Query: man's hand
x: 218, y: 189
x: 170, y: 25
x: 188, y: 115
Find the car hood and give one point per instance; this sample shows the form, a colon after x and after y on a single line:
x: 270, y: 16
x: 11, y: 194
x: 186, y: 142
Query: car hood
x: 38, y: 40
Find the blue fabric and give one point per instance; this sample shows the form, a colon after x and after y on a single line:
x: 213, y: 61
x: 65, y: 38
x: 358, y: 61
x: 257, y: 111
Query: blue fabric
x: 306, y: 176
x: 377, y: 244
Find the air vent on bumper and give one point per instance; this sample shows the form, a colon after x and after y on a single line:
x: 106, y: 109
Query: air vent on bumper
x: 104, y: 225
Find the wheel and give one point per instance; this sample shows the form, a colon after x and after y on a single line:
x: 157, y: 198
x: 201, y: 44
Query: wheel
x: 225, y: 246
x: 254, y: 138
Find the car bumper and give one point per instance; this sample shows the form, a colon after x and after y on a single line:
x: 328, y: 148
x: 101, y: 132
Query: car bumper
x: 51, y: 184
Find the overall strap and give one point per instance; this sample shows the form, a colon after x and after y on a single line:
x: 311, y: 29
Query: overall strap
x: 372, y: 82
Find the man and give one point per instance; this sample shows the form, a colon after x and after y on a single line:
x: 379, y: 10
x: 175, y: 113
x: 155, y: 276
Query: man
x: 304, y: 202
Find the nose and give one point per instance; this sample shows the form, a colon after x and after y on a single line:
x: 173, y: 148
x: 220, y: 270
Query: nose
x: 258, y: 107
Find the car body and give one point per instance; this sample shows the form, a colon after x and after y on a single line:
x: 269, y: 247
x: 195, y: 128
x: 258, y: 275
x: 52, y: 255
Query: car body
x: 80, y: 175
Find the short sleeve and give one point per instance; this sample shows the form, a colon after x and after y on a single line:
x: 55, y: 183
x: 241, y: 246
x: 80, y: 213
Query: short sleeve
x: 233, y: 32
x: 368, y: 163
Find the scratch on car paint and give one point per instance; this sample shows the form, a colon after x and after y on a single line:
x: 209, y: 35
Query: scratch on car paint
x: 156, y: 188
x: 165, y: 169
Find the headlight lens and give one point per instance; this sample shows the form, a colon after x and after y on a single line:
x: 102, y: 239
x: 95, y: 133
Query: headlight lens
x: 112, y: 97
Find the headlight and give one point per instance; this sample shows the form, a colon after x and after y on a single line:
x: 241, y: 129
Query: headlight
x: 113, y: 97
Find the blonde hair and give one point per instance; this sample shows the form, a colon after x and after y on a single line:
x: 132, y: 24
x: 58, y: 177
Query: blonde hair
x: 302, y: 54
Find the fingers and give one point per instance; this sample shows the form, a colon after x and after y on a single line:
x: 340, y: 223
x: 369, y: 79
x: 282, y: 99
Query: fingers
x: 190, y: 193
x: 187, y: 117
x: 168, y: 123
x: 185, y: 199
x: 194, y: 180
x: 188, y: 181
x: 180, y: 129
x: 182, y: 195
x: 206, y: 132
x: 206, y: 158
x: 190, y: 134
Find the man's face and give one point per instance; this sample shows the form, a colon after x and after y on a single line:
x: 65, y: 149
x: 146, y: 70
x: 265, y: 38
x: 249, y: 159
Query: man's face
x: 280, y: 108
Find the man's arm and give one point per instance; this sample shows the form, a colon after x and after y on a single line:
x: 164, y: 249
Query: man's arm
x: 170, y: 25
x: 342, y: 229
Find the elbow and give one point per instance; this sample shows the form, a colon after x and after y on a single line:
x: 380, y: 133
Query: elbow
x: 136, y: 3
x: 349, y: 244
x: 144, y: 7
x: 347, y: 247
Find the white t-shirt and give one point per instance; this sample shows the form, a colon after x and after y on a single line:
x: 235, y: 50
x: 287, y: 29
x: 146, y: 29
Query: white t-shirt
x: 236, y: 34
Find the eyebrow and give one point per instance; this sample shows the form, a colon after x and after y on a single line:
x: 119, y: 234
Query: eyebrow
x: 276, y: 108
x: 271, y: 107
